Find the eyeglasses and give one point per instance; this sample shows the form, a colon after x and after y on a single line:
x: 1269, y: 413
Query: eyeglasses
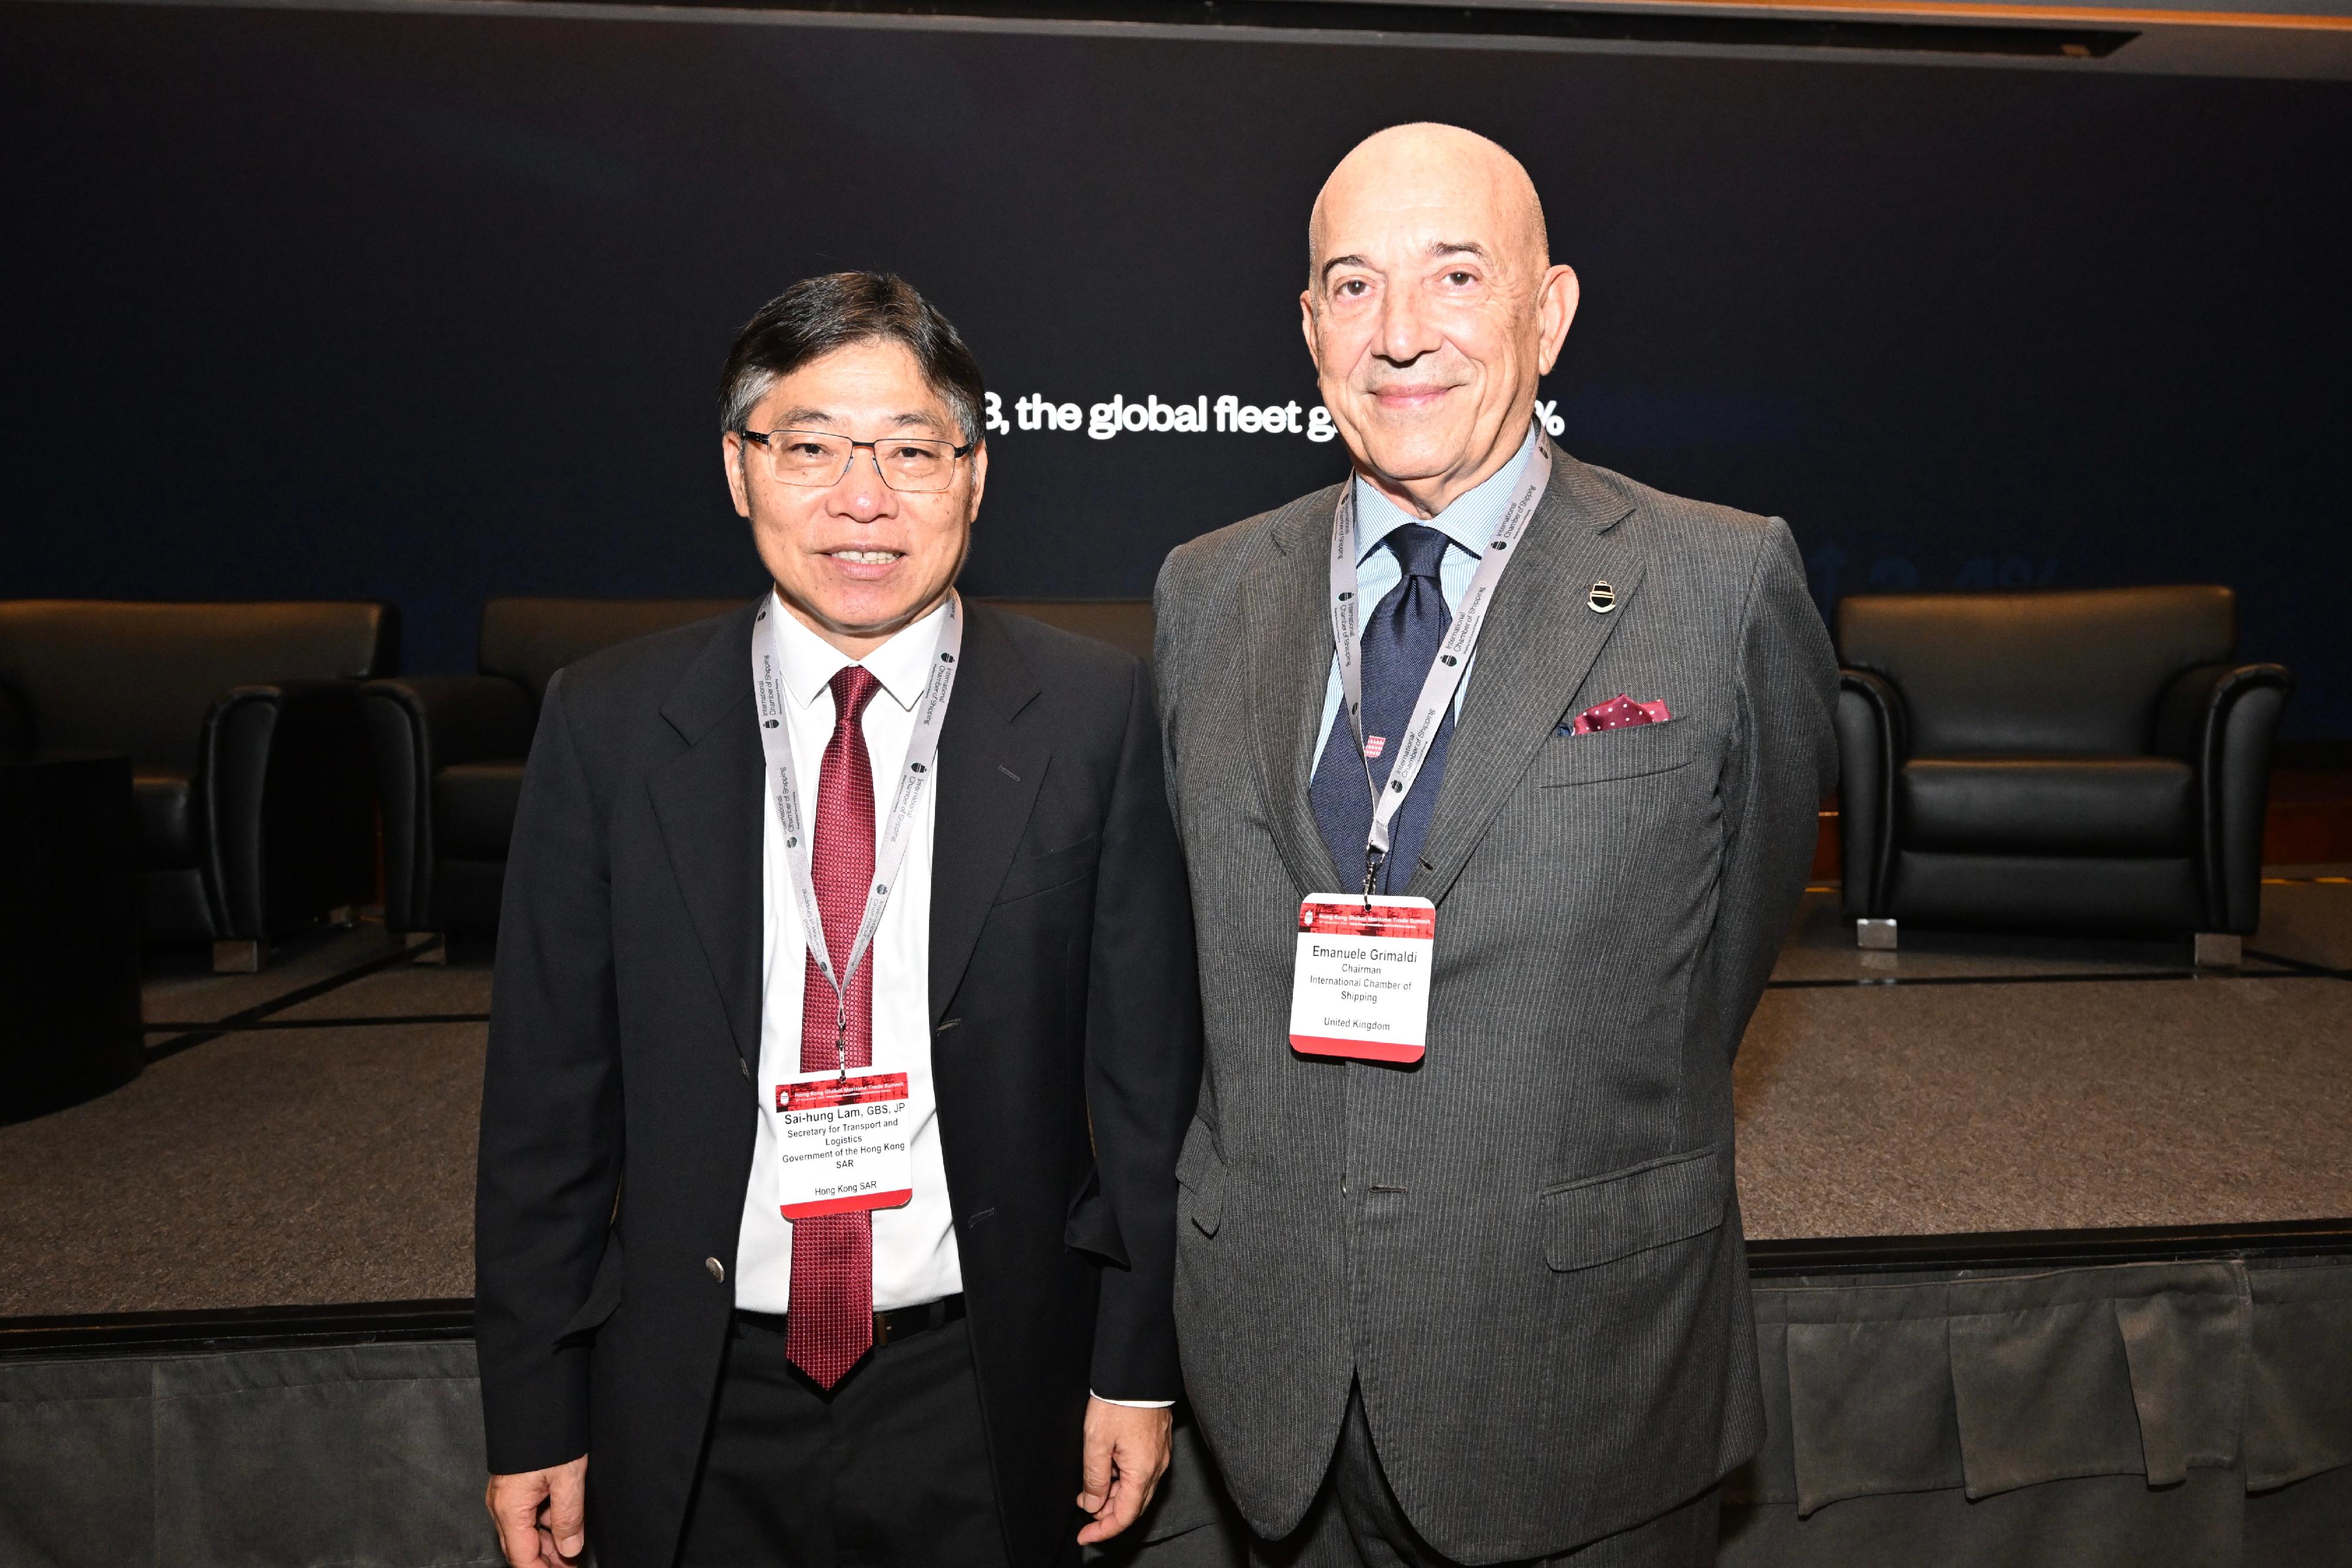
x: 819, y: 457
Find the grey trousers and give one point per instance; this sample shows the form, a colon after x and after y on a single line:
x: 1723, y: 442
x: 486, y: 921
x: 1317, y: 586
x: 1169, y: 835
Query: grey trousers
x: 1357, y: 1523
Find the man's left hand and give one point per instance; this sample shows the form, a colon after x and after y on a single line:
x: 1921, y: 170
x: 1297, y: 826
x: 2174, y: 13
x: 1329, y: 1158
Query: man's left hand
x: 1125, y: 1455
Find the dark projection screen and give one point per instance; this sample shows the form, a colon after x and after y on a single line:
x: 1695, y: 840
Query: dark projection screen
x: 430, y: 306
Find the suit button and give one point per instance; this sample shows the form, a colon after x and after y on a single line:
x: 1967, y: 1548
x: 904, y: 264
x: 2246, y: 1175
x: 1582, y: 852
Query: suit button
x: 717, y: 1269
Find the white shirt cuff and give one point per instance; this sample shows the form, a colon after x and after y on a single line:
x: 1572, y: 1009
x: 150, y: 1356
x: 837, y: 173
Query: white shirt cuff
x: 1135, y: 1404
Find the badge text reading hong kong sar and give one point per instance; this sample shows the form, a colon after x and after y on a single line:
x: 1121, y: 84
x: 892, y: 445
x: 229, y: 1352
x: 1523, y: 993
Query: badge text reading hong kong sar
x: 1223, y: 416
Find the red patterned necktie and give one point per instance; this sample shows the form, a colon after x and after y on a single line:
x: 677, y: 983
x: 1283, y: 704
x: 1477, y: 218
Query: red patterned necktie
x: 831, y: 1322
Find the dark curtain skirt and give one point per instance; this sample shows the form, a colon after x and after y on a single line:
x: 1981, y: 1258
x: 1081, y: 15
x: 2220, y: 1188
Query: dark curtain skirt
x: 2197, y: 1413
x: 2157, y: 1414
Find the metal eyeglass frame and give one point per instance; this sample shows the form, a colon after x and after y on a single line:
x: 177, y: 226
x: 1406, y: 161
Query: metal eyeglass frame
x: 955, y: 454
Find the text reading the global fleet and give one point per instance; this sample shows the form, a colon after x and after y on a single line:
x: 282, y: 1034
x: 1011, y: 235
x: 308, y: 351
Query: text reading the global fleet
x: 1202, y: 415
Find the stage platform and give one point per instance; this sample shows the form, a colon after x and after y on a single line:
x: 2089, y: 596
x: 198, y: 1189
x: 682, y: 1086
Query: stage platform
x: 305, y: 1135
x: 2051, y: 1243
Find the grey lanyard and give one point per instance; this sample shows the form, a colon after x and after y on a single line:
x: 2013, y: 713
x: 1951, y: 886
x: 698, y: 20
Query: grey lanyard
x: 1445, y: 677
x: 898, y: 827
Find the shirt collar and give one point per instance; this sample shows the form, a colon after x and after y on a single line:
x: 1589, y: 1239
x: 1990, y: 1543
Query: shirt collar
x: 1470, y: 522
x: 902, y: 664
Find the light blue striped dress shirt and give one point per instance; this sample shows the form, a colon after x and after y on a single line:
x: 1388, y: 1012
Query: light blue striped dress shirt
x: 1470, y: 522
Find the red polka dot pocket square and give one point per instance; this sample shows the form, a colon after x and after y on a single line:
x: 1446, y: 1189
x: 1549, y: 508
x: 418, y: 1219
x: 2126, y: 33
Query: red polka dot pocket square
x: 1616, y: 714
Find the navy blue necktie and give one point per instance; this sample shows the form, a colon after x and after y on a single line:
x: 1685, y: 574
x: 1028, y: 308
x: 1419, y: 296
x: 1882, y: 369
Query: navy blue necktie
x: 1400, y: 641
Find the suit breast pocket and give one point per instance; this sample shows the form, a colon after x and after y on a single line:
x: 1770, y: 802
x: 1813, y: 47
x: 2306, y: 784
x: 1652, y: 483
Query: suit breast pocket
x: 1056, y: 868
x: 1628, y: 753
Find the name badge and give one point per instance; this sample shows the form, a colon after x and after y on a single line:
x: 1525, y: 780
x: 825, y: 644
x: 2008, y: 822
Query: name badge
x: 843, y: 1141
x: 1359, y: 984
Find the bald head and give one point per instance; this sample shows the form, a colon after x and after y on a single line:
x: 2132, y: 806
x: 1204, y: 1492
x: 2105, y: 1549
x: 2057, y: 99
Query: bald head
x: 1432, y: 308
x: 1434, y: 168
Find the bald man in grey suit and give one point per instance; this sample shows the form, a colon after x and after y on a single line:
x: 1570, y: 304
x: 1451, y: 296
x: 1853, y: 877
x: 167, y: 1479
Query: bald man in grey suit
x: 1491, y: 1306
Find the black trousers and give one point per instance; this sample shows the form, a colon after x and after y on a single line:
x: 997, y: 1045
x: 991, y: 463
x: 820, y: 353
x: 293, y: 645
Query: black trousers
x: 890, y: 1470
x: 1356, y: 1521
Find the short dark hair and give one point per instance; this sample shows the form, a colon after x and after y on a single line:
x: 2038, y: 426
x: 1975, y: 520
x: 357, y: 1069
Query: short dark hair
x: 818, y: 315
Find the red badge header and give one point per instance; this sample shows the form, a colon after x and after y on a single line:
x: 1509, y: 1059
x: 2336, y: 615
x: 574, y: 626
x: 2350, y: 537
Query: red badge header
x: 1417, y: 920
x: 862, y: 1089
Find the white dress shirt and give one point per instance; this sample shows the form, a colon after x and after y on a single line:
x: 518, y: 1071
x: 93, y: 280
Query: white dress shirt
x: 1469, y: 523
x: 915, y: 1258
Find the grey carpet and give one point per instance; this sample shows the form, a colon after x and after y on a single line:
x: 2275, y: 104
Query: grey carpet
x: 1903, y: 1112
x: 261, y: 1167
x: 180, y: 983
x: 325, y: 1155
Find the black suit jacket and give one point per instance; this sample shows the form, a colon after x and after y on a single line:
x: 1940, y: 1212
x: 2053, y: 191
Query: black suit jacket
x: 619, y: 1102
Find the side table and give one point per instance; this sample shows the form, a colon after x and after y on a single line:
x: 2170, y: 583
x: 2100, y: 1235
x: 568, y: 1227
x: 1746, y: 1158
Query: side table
x: 69, y: 1014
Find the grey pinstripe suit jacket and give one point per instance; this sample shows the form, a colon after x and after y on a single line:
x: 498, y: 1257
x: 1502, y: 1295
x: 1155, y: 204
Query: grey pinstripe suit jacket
x: 1527, y: 1248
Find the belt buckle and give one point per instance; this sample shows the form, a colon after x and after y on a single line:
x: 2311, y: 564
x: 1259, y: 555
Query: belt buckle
x: 881, y: 1329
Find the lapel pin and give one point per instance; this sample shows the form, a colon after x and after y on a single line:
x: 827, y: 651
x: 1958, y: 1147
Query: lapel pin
x: 1602, y: 597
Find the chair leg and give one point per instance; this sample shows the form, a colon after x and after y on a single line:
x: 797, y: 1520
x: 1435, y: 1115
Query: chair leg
x: 2218, y: 951
x: 436, y: 950
x: 1875, y: 935
x: 239, y: 957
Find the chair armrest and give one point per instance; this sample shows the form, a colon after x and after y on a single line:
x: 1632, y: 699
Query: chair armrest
x: 2221, y: 720
x: 1872, y: 737
x: 461, y: 718
x: 288, y: 806
x: 16, y: 728
x: 417, y: 726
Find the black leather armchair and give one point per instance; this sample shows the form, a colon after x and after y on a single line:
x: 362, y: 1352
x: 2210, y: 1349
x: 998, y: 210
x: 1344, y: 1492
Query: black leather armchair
x: 450, y: 750
x: 2078, y: 761
x: 256, y: 808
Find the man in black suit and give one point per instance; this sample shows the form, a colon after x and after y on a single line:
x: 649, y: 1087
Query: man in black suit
x: 846, y: 1029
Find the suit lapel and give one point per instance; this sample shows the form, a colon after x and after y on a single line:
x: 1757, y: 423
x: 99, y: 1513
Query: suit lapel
x: 1287, y: 627
x: 1538, y: 641
x: 708, y: 801
x: 988, y: 772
